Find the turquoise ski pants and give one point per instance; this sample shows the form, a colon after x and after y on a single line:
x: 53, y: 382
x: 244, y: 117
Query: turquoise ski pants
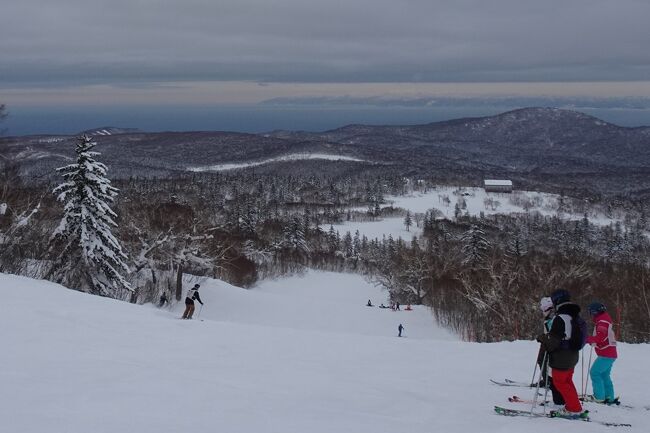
x: 601, y: 380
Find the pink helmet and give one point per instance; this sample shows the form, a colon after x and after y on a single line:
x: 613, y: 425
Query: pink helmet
x: 545, y: 304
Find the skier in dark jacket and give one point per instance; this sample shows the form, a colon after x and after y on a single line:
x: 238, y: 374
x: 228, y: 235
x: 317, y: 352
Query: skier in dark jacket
x: 563, y: 359
x: 192, y: 294
x: 546, y: 306
x: 400, y: 328
x: 163, y: 300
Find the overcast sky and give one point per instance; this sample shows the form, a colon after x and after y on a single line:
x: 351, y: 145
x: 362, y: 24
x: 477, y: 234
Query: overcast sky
x: 85, y: 49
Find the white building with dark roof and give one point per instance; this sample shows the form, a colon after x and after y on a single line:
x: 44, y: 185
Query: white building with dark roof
x: 497, y: 185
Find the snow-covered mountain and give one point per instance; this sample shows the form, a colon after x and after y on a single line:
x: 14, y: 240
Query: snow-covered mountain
x: 541, y: 147
x: 302, y: 354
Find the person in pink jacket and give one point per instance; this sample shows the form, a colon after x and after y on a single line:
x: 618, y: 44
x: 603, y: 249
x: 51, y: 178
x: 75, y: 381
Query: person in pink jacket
x: 604, y: 342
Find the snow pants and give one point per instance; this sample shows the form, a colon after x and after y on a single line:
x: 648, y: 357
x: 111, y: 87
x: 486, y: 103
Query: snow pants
x: 557, y: 397
x: 189, y: 310
x: 601, y: 380
x: 547, y: 382
x: 563, y: 381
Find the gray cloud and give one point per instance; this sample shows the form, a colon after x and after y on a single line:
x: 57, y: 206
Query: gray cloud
x: 504, y: 102
x: 83, y: 42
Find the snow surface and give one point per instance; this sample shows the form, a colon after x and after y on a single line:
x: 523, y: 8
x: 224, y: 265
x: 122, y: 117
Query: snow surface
x: 476, y: 201
x: 293, y: 355
x: 497, y: 182
x: 31, y: 154
x: 290, y: 157
x: 377, y: 229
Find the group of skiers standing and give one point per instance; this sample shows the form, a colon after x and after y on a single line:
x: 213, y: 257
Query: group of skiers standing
x: 558, y: 355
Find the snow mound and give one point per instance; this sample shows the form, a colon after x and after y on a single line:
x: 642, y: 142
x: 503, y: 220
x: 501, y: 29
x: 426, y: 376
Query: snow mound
x: 316, y: 301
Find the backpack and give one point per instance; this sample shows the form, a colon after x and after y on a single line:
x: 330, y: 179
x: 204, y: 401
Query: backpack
x: 578, y: 338
x: 579, y: 333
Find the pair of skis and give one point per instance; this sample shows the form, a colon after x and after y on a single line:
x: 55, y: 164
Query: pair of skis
x: 585, y: 398
x: 615, y: 402
x: 552, y: 414
x: 584, y: 416
x: 508, y: 382
x: 517, y: 399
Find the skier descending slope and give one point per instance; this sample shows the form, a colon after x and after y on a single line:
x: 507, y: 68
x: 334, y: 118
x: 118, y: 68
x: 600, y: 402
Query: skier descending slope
x: 192, y: 294
x: 563, y: 356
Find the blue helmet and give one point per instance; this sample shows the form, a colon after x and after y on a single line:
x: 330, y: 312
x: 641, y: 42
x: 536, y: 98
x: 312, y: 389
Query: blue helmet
x: 595, y: 308
x: 560, y: 296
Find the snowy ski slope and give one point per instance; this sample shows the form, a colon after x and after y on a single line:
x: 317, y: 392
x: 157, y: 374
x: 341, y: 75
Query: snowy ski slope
x: 303, y: 354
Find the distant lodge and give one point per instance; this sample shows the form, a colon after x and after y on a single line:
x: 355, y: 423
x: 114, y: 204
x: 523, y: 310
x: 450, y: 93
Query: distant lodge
x: 494, y: 185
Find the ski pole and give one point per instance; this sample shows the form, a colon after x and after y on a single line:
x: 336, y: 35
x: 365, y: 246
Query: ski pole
x: 582, y: 371
x: 547, y: 384
x: 200, y: 309
x: 545, y: 368
x: 537, y: 387
x: 584, y: 393
x: 532, y: 380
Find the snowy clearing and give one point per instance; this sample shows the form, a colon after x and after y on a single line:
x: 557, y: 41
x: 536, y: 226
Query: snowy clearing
x: 476, y: 200
x: 290, y: 157
x: 302, y: 354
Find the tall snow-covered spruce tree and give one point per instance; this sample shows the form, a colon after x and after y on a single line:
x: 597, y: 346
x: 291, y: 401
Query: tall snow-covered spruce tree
x: 90, y: 257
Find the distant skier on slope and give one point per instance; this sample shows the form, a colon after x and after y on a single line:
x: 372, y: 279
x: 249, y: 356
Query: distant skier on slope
x: 369, y: 304
x: 604, y: 341
x: 546, y: 306
x: 400, y: 328
x: 192, y: 294
x: 163, y: 300
x: 562, y: 356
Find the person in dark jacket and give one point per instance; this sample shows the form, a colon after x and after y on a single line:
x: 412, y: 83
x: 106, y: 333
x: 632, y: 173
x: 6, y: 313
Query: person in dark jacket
x: 548, y: 311
x: 561, y: 358
x: 400, y: 328
x: 163, y: 300
x: 192, y: 295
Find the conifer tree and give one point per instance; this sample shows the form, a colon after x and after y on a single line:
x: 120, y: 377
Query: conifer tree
x: 356, y: 243
x: 408, y: 222
x: 332, y: 241
x: 516, y: 246
x: 474, y: 245
x: 90, y: 258
x: 348, y: 248
x: 294, y: 237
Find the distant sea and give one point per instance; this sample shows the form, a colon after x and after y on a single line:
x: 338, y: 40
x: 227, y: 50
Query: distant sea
x: 257, y: 118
